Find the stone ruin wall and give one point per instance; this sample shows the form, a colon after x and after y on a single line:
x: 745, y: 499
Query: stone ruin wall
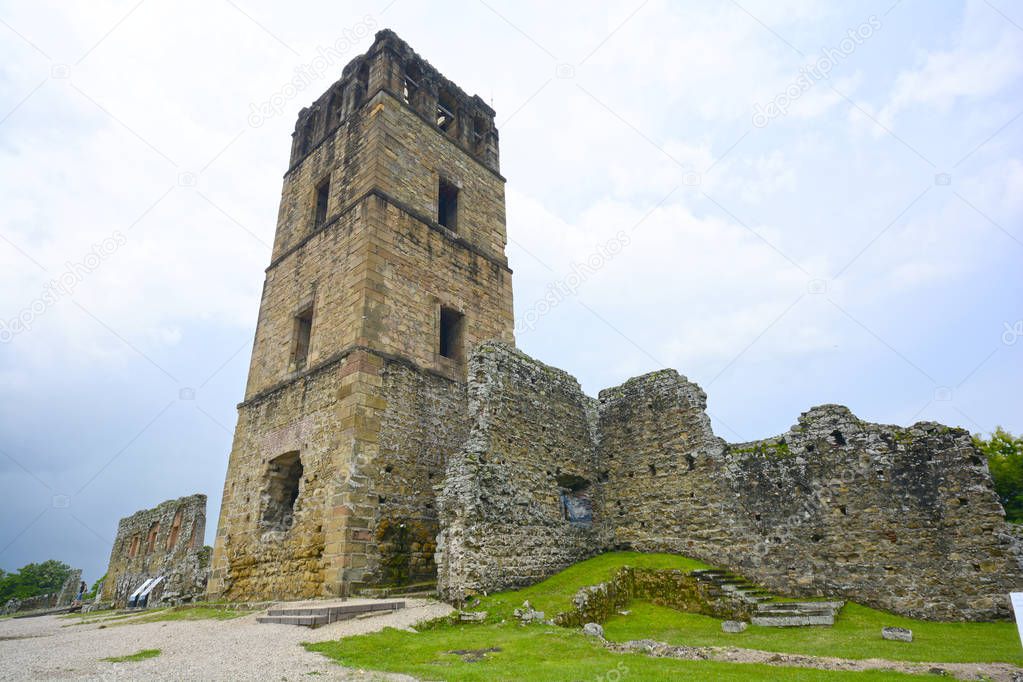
x: 64, y: 597
x: 529, y: 454
x: 424, y: 419
x: 281, y: 556
x: 369, y: 504
x: 166, y: 540
x: 903, y: 519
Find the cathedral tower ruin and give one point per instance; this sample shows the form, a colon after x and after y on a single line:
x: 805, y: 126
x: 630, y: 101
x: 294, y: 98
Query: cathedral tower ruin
x: 388, y: 267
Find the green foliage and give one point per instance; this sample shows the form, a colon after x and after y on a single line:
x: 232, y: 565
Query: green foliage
x: 140, y: 655
x: 34, y: 579
x: 1005, y: 460
x: 554, y: 595
x: 856, y: 634
x: 541, y: 652
x: 91, y: 594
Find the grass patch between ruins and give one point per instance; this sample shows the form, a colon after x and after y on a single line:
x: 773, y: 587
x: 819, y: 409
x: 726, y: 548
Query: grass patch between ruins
x: 546, y: 652
x: 554, y: 595
x: 541, y: 653
x: 855, y: 634
x: 140, y: 655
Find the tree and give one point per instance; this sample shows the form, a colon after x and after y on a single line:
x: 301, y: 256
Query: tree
x: 91, y: 594
x: 1005, y: 460
x: 34, y: 579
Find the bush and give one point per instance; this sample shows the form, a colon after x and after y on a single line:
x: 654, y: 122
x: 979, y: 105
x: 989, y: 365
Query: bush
x: 34, y: 579
x: 1005, y: 460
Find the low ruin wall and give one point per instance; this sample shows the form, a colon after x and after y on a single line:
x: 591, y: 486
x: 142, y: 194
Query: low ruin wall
x: 903, y: 519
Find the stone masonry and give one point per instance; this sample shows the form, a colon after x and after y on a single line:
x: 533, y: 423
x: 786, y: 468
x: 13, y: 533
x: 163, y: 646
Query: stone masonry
x: 903, y: 519
x: 167, y: 541
x: 391, y: 434
x: 387, y: 269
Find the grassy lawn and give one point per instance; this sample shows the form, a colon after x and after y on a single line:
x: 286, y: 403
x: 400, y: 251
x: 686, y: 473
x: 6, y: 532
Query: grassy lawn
x: 554, y: 595
x: 541, y: 653
x: 132, y: 658
x: 856, y: 634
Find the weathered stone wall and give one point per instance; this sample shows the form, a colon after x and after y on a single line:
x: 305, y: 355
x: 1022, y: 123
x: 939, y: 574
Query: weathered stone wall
x: 531, y: 448
x: 903, y: 519
x: 423, y: 422
x: 166, y: 540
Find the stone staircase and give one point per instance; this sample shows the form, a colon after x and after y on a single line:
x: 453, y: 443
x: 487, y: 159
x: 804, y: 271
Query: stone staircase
x: 770, y: 611
x: 412, y: 590
x: 315, y: 616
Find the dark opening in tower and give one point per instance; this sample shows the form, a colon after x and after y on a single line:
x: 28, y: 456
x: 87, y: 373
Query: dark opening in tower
x: 281, y: 491
x: 451, y: 324
x: 447, y: 205
x: 322, y: 197
x: 303, y: 335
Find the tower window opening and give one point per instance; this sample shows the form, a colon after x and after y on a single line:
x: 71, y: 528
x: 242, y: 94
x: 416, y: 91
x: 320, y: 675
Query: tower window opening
x: 175, y: 531
x: 322, y: 197
x: 411, y: 83
x: 451, y: 324
x: 363, y: 82
x: 445, y: 112
x: 447, y: 205
x: 154, y: 530
x: 303, y: 335
x: 282, y: 491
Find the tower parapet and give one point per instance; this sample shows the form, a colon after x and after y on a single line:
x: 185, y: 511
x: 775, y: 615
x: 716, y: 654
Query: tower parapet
x: 392, y: 66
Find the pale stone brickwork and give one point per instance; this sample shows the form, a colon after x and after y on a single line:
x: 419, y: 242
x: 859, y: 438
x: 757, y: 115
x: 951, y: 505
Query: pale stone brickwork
x: 360, y: 427
x: 903, y: 519
x: 166, y: 540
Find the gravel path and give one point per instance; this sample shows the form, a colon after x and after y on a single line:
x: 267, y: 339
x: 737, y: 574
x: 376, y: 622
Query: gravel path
x: 51, y: 648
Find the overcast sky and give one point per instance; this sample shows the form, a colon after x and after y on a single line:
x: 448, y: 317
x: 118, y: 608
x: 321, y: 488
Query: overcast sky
x: 792, y: 203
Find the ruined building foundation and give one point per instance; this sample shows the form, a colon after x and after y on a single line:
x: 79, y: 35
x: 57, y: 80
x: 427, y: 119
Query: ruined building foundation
x: 390, y: 432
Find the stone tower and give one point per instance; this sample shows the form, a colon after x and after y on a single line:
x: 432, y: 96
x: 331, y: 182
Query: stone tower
x: 388, y: 267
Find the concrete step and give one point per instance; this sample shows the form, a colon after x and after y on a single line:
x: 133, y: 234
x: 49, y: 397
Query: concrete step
x: 792, y: 621
x: 313, y: 616
x: 307, y: 621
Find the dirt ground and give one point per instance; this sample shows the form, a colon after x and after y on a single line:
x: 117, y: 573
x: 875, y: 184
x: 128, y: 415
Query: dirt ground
x: 54, y: 648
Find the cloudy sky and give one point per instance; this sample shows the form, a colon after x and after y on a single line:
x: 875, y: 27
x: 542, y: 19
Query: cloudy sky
x: 793, y: 203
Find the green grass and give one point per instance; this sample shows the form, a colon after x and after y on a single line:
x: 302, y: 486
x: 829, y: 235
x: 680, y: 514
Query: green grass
x: 856, y: 634
x: 141, y: 655
x: 542, y: 653
x: 554, y: 595
x: 85, y: 616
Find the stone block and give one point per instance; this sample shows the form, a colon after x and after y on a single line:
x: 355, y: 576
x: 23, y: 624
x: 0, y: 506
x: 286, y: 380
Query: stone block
x: 734, y: 626
x: 897, y: 634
